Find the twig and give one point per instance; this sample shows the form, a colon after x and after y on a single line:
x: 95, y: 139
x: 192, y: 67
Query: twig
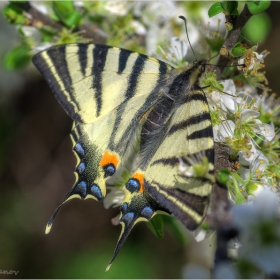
x: 93, y: 32
x: 237, y: 28
x: 221, y: 204
x: 232, y: 38
x: 38, y: 15
x: 221, y: 215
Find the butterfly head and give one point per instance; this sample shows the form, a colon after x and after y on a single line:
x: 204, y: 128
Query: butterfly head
x: 195, y: 70
x: 200, y: 65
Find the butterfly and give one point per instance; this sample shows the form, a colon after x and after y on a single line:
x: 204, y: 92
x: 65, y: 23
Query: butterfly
x: 120, y: 101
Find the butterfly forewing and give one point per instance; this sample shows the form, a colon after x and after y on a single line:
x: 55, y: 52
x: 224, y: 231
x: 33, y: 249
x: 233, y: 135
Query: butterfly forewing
x: 106, y: 91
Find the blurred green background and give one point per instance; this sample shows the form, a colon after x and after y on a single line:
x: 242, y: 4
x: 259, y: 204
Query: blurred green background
x: 36, y: 171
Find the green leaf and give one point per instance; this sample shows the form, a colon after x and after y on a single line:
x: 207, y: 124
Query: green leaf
x: 230, y: 7
x: 256, y: 7
x: 257, y: 28
x: 156, y: 226
x: 17, y: 57
x: 222, y: 176
x: 66, y: 12
x: 238, y: 50
x: 215, y: 9
x: 211, y: 80
x: 239, y: 198
x: 14, y: 15
x: 176, y: 229
x: 48, y: 33
x: 215, y: 43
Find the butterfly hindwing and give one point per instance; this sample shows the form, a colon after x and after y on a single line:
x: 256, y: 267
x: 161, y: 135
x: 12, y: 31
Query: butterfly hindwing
x: 137, y: 206
x: 106, y: 91
x: 188, y: 134
x: 178, y: 126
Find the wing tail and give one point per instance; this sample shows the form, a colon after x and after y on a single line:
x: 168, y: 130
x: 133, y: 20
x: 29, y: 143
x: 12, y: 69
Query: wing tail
x: 127, y: 221
x: 137, y: 206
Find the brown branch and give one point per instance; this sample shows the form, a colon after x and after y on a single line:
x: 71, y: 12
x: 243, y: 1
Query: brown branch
x: 220, y: 202
x: 38, y: 16
x: 221, y: 209
x: 232, y: 38
x: 93, y: 32
x: 221, y: 217
x: 237, y: 28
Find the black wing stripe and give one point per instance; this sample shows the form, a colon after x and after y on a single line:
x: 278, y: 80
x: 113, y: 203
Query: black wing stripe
x: 162, y: 67
x: 203, y: 133
x: 57, y: 57
x: 194, y: 202
x: 123, y: 58
x: 148, y: 103
x: 209, y: 153
x: 190, y: 121
x: 99, y: 55
x: 135, y: 74
x: 82, y: 54
x: 166, y: 161
x: 196, y: 96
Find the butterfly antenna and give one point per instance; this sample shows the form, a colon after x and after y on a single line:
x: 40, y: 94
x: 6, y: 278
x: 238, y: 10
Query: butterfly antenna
x: 184, y: 19
x: 234, y: 65
x: 213, y: 57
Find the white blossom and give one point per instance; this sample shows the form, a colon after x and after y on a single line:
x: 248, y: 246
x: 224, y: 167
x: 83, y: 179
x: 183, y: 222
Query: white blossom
x: 255, y: 220
x: 267, y: 130
x: 223, y: 101
x: 177, y: 50
x: 113, y: 198
x: 201, y: 234
x: 41, y: 7
x: 247, y: 115
x: 41, y: 47
x: 139, y: 27
x: 223, y: 130
x: 119, y: 8
x: 246, y: 156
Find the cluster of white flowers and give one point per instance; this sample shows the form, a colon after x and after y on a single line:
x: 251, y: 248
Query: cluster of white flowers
x: 241, y: 128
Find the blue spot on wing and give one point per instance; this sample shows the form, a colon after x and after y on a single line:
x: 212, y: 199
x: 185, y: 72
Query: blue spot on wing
x: 96, y: 192
x: 79, y: 149
x: 124, y: 208
x: 81, y: 189
x: 81, y: 167
x: 147, y: 212
x: 109, y: 170
x: 133, y: 185
x: 127, y: 218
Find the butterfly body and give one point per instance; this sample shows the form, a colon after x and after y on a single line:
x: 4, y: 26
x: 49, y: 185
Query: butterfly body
x: 121, y: 100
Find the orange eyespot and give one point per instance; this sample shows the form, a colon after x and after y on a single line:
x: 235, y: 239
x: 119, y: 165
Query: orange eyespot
x: 109, y: 158
x: 140, y: 178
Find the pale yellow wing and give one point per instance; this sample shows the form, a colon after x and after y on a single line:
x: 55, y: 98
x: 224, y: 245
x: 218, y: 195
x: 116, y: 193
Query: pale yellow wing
x: 106, y: 91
